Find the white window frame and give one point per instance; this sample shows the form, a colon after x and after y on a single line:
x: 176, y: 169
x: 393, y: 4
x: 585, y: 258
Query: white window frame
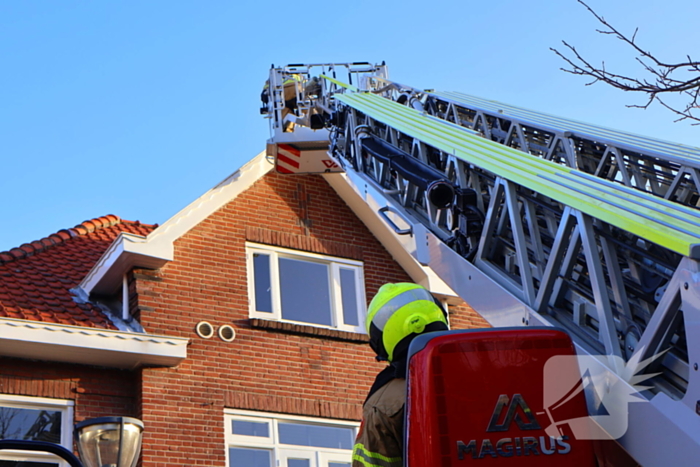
x: 335, y: 265
x: 39, y: 403
x: 319, y: 457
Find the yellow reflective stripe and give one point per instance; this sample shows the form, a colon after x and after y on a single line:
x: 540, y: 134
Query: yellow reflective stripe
x: 643, y: 219
x: 340, y: 83
x: 385, y: 312
x: 372, y: 459
x: 384, y: 295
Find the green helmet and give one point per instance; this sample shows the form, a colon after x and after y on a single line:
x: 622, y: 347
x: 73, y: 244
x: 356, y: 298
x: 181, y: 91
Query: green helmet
x: 399, y: 312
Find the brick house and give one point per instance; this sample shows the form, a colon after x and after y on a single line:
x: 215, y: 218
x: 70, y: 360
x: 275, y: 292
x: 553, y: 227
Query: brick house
x: 233, y: 330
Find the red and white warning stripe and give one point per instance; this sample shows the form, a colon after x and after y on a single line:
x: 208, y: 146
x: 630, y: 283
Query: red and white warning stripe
x: 288, y: 159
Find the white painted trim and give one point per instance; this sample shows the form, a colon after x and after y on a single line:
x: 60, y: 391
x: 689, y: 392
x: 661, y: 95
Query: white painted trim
x: 333, y: 263
x: 125, y: 297
x: 212, y: 200
x: 28, y: 402
x: 89, y: 346
x: 272, y: 444
x: 152, y: 252
x: 295, y: 418
x: 127, y: 251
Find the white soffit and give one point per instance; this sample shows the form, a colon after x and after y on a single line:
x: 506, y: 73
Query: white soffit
x: 88, y: 346
x: 366, y: 209
x: 152, y: 252
x: 126, y: 252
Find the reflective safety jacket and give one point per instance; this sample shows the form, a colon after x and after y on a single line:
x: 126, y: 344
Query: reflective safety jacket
x: 380, y: 440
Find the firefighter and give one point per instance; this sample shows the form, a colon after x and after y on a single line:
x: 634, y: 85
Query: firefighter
x: 396, y: 314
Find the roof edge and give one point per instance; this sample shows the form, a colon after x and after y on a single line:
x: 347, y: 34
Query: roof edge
x: 38, y: 340
x: 126, y: 252
x: 157, y: 249
x: 222, y: 193
x: 29, y: 249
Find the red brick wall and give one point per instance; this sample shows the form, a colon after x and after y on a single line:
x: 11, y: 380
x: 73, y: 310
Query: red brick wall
x: 263, y: 369
x: 97, y: 392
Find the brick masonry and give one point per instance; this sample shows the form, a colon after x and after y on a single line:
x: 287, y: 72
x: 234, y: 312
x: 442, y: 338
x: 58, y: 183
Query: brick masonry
x: 278, y: 369
x: 269, y: 367
x: 96, y: 392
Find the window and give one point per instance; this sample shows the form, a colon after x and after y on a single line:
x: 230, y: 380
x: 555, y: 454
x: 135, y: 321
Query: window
x: 261, y: 440
x: 39, y: 419
x: 318, y: 290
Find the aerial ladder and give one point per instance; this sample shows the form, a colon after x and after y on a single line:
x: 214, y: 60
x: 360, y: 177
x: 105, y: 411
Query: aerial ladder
x: 536, y: 221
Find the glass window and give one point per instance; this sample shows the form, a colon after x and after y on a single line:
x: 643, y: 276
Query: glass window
x: 348, y: 290
x: 246, y: 457
x: 247, y: 428
x: 298, y: 462
x: 289, y: 285
x: 305, y: 291
x: 263, y: 289
x: 30, y: 424
x: 315, y: 435
x: 35, y: 419
x: 258, y: 439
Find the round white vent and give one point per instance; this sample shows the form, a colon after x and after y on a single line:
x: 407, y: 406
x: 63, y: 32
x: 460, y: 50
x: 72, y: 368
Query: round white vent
x: 204, y: 330
x: 227, y: 333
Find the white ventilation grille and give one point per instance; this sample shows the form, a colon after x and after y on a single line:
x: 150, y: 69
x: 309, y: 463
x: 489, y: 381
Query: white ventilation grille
x: 227, y: 333
x: 204, y: 330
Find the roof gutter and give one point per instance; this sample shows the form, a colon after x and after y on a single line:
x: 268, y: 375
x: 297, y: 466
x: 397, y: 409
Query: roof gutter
x: 37, y: 340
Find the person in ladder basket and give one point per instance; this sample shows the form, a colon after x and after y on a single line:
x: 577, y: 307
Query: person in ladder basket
x: 396, y: 314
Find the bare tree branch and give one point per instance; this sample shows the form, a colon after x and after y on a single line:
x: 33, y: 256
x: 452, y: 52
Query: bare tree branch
x: 662, y: 79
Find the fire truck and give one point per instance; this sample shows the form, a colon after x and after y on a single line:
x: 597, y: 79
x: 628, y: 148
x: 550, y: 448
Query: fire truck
x: 579, y: 244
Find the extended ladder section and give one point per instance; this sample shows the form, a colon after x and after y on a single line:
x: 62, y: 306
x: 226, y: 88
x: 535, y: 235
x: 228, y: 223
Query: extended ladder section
x: 668, y: 170
x: 530, y: 237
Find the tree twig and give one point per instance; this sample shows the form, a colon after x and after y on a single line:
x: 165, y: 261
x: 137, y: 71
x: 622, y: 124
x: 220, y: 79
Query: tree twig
x: 662, y: 78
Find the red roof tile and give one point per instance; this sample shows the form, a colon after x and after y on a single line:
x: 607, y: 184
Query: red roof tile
x: 36, y: 278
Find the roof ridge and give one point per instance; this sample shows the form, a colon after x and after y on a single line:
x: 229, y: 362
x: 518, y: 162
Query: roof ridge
x: 84, y: 228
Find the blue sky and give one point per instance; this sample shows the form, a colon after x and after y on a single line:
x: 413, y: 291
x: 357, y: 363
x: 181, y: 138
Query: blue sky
x: 137, y: 108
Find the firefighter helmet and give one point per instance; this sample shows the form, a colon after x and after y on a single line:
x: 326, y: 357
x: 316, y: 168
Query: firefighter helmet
x: 399, y: 312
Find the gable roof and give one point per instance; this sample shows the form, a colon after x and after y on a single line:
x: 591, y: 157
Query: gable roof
x: 43, y: 317
x: 157, y: 248
x: 36, y: 278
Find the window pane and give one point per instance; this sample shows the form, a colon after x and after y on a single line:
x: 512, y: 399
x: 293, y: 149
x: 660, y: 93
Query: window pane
x: 349, y: 296
x: 314, y: 435
x: 298, y: 463
x: 240, y: 457
x: 241, y: 427
x: 339, y: 464
x: 30, y: 424
x: 261, y: 276
x: 305, y: 291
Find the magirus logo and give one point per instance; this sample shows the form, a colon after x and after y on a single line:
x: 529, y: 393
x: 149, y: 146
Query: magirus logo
x: 523, y: 417
x: 516, y: 411
x: 609, y: 384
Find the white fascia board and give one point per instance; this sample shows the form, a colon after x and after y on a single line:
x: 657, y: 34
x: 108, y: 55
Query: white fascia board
x: 152, y: 252
x: 126, y: 252
x: 37, y: 340
x: 365, y: 203
x: 212, y: 200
